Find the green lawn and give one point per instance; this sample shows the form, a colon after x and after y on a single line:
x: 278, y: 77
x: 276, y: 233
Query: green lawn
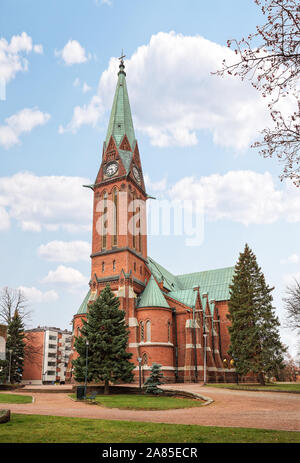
x: 51, y: 429
x: 15, y: 399
x: 144, y: 402
x: 257, y: 387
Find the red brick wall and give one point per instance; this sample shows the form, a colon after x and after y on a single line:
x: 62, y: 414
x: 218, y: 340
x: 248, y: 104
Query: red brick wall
x: 33, y: 367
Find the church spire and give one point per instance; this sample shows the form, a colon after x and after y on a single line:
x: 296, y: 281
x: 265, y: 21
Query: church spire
x: 120, y: 122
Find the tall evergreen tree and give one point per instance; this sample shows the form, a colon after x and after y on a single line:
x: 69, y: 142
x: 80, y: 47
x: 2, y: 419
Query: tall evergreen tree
x: 254, y: 335
x: 107, y: 334
x: 15, y: 346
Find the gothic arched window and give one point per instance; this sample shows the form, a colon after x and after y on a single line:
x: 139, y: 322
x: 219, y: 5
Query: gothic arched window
x: 145, y: 359
x: 142, y: 332
x: 114, y: 266
x: 148, y: 331
x: 169, y: 331
x: 133, y: 224
x: 115, y: 217
x: 139, y: 225
x: 104, y: 224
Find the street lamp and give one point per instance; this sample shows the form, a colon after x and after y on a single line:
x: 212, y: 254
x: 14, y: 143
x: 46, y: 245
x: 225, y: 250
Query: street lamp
x: 204, y: 379
x: 139, y: 359
x: 86, y: 365
x: 10, y: 352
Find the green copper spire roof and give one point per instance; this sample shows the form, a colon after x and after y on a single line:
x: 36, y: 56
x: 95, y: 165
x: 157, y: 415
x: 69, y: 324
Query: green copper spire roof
x: 152, y: 296
x: 120, y: 122
x: 84, y: 306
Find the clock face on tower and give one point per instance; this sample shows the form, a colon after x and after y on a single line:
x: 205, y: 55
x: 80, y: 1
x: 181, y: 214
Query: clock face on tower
x: 136, y: 174
x: 111, y: 169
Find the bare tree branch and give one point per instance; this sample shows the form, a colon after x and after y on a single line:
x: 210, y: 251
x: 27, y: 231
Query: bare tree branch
x: 270, y: 59
x: 292, y: 305
x: 10, y: 301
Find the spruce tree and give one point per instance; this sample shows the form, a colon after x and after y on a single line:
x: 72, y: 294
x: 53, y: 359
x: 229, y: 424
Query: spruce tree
x: 151, y: 384
x: 15, y: 346
x: 107, y: 335
x: 254, y: 335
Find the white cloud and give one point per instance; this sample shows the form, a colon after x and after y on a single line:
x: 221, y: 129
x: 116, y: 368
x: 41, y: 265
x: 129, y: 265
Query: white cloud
x: 38, y: 49
x: 86, y: 88
x: 35, y: 296
x: 292, y: 259
x: 21, y: 122
x: 65, y: 251
x: 66, y: 276
x: 240, y: 196
x: 84, y: 115
x: 12, y: 59
x: 171, y: 77
x: 246, y: 197
x: 47, y: 203
x: 73, y: 53
x: 160, y: 185
x: 4, y: 219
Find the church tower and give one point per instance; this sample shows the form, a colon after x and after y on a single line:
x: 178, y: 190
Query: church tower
x: 119, y: 221
x: 119, y: 240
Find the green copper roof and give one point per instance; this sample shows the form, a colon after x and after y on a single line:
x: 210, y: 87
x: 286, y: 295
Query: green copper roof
x: 152, y: 296
x: 126, y: 157
x: 214, y: 282
x: 120, y: 122
x: 186, y: 296
x: 170, y: 281
x: 89, y: 297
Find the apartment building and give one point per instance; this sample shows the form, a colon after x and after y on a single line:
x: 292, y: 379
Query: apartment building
x: 47, y: 355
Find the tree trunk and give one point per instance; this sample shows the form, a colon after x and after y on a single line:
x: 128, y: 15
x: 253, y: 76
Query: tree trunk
x: 106, y: 387
x: 261, y: 379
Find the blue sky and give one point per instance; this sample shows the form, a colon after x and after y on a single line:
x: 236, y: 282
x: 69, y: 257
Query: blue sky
x: 58, y: 61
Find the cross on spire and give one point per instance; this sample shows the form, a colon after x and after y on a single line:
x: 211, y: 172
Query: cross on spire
x: 121, y: 57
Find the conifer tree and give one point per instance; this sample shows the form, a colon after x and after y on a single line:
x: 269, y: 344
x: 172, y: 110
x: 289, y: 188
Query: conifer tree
x: 15, y: 346
x: 254, y: 336
x: 107, y: 335
x: 154, y: 380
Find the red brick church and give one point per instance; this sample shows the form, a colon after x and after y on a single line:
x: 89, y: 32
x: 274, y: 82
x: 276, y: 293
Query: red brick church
x: 173, y: 319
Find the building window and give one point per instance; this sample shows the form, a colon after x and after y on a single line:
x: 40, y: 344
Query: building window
x: 115, y: 217
x: 145, y: 359
x: 169, y: 331
x: 134, y: 266
x: 104, y: 221
x: 148, y: 330
x: 142, y: 332
x: 140, y: 235
x: 103, y: 266
x: 114, y: 266
x: 133, y: 224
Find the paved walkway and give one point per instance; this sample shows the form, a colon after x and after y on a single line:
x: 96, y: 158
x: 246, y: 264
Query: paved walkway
x: 267, y: 410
